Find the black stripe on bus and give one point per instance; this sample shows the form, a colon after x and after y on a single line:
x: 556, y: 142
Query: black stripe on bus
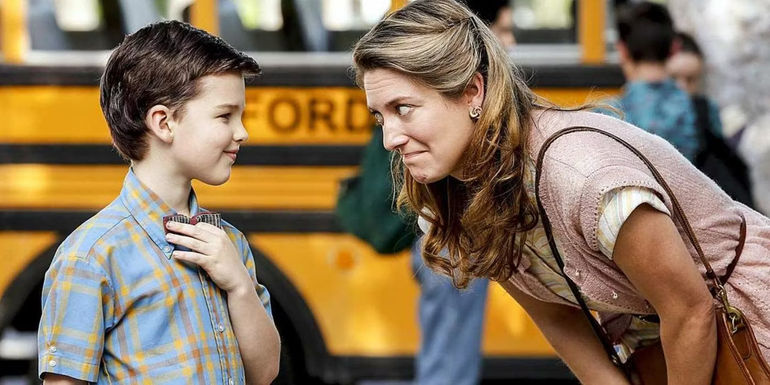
x: 65, y: 221
x: 91, y: 154
x: 553, y: 76
x: 493, y: 368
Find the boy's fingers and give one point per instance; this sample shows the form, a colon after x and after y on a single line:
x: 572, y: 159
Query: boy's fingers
x: 208, y: 228
x: 188, y: 242
x: 189, y: 256
x: 194, y: 231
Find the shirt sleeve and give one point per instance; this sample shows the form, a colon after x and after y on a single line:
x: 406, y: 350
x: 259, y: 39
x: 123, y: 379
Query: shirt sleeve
x: 616, y: 206
x: 264, y: 295
x: 77, y: 300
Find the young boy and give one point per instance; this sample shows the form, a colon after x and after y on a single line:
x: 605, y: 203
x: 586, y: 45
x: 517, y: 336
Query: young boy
x: 127, y: 301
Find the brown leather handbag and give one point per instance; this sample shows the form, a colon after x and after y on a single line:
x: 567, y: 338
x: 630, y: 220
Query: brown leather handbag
x: 739, y: 360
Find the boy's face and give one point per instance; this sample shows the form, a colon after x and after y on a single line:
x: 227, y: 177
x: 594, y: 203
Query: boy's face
x: 208, y: 134
x: 686, y: 68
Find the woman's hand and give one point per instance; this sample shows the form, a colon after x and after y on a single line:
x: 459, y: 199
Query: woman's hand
x: 652, y: 254
x: 212, y: 250
x: 568, y: 331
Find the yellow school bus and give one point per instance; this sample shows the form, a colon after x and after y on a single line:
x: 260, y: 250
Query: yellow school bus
x: 345, y: 313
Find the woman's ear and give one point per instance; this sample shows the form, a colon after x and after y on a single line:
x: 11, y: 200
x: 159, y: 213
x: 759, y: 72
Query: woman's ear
x: 474, y: 91
x: 160, y: 123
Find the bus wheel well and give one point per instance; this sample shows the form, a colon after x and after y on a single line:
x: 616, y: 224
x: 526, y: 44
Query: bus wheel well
x: 301, y: 337
x: 20, y: 303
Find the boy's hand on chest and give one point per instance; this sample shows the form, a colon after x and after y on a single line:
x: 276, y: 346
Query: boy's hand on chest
x: 212, y: 250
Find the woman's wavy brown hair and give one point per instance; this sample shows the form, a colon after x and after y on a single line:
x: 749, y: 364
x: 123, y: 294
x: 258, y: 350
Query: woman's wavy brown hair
x: 481, y: 220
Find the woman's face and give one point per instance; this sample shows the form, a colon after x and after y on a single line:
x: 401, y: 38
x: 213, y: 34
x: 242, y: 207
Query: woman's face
x: 429, y: 131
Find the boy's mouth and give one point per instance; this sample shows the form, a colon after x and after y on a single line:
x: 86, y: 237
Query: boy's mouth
x: 232, y: 154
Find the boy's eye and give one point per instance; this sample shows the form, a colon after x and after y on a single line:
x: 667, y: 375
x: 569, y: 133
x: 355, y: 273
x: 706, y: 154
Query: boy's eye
x: 378, y: 118
x: 224, y: 116
x: 403, y: 109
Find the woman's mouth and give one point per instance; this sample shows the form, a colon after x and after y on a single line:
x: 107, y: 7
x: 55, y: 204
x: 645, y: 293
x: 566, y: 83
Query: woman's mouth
x: 411, y: 155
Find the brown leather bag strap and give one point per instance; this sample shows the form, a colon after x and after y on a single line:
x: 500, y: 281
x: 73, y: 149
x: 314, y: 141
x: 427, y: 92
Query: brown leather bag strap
x: 678, y: 212
x: 598, y: 330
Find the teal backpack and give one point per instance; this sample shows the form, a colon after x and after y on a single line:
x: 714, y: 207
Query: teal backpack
x: 365, y: 204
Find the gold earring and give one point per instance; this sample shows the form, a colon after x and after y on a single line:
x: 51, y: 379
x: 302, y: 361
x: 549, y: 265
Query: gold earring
x: 475, y: 113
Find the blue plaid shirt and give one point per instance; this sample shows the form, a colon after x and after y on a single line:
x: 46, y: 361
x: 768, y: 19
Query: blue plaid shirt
x: 118, y: 309
x: 664, y: 110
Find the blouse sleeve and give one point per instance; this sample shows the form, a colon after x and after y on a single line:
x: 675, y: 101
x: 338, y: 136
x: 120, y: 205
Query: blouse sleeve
x: 616, y: 206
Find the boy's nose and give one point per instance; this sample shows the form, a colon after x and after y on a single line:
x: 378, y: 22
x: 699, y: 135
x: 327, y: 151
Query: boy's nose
x: 240, y: 134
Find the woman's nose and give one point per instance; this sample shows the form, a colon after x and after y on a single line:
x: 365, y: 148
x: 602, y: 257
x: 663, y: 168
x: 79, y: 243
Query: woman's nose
x: 395, y: 141
x: 392, y: 137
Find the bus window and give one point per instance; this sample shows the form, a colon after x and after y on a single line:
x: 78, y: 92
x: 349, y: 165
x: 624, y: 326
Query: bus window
x: 254, y: 25
x: 297, y: 25
x: 348, y: 20
x: 70, y: 25
x: 88, y: 25
x: 545, y: 21
x: 77, y: 15
x: 259, y: 14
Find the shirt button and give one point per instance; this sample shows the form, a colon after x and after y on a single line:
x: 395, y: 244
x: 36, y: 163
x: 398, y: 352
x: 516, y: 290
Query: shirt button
x: 230, y: 381
x: 168, y: 249
x: 52, y: 363
x: 614, y: 295
x: 577, y: 273
x: 221, y: 328
x: 52, y: 349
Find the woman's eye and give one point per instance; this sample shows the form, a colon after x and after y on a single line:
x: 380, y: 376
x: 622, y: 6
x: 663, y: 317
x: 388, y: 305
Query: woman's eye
x: 378, y: 118
x: 226, y: 117
x: 403, y: 109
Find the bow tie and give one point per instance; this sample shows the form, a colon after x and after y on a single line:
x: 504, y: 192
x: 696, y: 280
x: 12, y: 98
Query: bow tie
x: 214, y: 219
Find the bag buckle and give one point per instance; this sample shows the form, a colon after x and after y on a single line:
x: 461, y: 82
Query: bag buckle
x: 734, y: 315
x: 736, y: 319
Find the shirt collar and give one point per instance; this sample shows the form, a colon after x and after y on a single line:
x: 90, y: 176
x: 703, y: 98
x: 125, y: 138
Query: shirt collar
x: 149, y: 209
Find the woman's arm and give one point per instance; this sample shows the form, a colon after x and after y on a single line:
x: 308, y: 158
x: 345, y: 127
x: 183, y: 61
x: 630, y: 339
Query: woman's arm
x: 652, y: 254
x: 570, y: 334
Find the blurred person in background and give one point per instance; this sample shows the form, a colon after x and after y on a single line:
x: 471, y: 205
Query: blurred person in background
x: 715, y: 157
x: 686, y: 65
x: 469, y: 137
x: 733, y: 37
x: 498, y: 15
x: 651, y: 100
x: 452, y: 320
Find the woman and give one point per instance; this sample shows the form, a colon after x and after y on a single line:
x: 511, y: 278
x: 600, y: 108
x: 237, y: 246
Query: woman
x: 468, y: 129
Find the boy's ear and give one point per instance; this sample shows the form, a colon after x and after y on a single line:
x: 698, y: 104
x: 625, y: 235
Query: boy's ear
x: 160, y: 122
x: 622, y: 50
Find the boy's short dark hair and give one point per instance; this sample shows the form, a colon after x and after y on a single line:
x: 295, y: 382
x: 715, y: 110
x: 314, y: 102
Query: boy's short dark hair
x: 646, y: 30
x: 160, y: 64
